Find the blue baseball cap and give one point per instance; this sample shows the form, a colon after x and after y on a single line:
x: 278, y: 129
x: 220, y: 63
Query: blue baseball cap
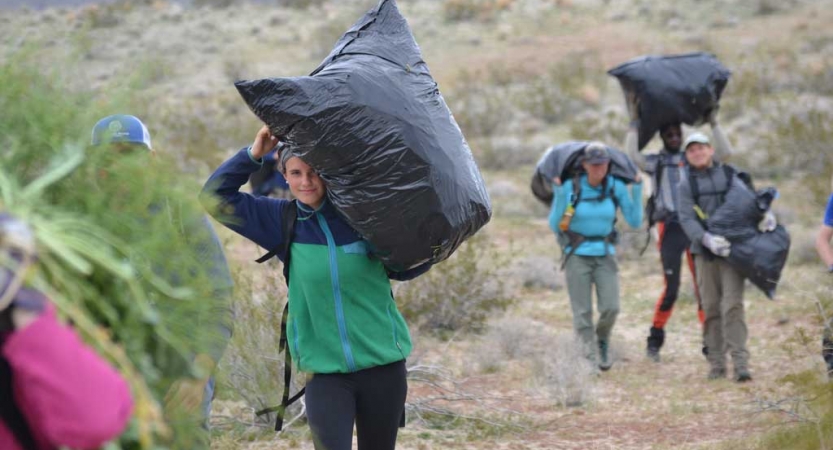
x: 121, y: 128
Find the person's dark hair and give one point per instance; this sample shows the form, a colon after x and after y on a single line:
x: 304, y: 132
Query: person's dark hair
x: 663, y: 128
x: 671, y: 135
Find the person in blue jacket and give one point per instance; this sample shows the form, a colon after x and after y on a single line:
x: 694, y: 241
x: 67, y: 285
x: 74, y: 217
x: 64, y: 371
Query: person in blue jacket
x: 343, y: 326
x: 825, y: 250
x: 128, y: 134
x: 583, y: 216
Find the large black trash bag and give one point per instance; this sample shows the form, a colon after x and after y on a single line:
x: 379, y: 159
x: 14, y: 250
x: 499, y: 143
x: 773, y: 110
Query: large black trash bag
x: 371, y: 120
x: 564, y: 159
x: 758, y: 256
x: 672, y: 89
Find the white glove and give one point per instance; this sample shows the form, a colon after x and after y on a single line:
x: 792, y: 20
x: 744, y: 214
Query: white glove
x: 717, y: 244
x: 768, y: 223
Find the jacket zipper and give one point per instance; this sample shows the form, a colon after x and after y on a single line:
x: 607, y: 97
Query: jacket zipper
x: 395, y: 334
x: 295, y: 343
x: 339, y: 305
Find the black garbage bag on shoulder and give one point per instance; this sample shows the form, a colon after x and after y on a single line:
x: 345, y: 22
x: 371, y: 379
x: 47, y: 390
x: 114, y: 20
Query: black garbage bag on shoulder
x: 371, y: 120
x: 564, y: 160
x: 672, y: 89
x: 758, y: 256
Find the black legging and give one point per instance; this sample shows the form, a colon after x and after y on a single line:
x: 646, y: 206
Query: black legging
x: 673, y: 243
x: 372, y: 398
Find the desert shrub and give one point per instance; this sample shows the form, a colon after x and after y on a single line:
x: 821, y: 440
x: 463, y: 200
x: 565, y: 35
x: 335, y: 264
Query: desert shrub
x: 754, y: 78
x: 252, y: 366
x: 301, y: 4
x: 504, y: 152
x: 563, y: 372
x: 200, y: 142
x: 459, y: 294
x: 508, y: 339
x: 214, y: 3
x: 539, y: 272
x: 796, y: 140
x: 483, y: 10
x: 328, y: 32
x: 803, y: 246
x: 608, y: 126
x: 564, y: 89
x: 802, y: 403
x: 481, y: 106
x: 491, y: 101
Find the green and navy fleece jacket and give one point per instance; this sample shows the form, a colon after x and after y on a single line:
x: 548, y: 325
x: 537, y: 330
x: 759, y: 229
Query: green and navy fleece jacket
x: 594, y: 218
x: 342, y: 314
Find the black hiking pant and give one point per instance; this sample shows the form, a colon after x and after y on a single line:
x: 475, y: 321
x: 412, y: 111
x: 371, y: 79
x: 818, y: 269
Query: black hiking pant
x: 373, y: 399
x: 673, y: 242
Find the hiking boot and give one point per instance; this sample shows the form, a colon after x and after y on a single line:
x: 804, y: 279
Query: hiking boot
x: 604, y: 358
x: 742, y: 376
x: 717, y: 373
x: 652, y: 353
x: 656, y: 337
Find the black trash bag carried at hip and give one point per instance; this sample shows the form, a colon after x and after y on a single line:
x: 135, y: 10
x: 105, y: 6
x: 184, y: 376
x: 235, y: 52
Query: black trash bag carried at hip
x: 372, y: 122
x: 758, y: 256
x: 564, y: 160
x: 672, y: 89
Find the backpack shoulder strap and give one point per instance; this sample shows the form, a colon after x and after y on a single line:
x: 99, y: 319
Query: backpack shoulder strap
x: 288, y: 216
x: 576, y: 189
x: 695, y: 186
x: 610, y: 189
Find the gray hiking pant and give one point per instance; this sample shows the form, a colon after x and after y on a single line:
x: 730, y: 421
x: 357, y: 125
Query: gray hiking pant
x: 721, y: 290
x: 583, y: 272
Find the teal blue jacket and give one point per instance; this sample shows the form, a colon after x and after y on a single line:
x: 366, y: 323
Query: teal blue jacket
x: 595, y: 218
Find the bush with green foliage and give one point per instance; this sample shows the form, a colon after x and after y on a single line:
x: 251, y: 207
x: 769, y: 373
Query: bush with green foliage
x: 116, y: 234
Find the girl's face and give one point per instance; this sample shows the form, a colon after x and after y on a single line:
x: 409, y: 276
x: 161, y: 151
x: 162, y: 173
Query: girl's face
x: 596, y: 172
x: 304, y: 182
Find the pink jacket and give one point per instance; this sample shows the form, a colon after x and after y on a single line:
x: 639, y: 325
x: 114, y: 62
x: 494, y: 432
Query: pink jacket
x: 67, y: 393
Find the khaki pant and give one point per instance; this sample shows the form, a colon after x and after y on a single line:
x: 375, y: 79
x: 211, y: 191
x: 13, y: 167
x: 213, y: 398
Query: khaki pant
x: 582, y: 273
x: 724, y: 330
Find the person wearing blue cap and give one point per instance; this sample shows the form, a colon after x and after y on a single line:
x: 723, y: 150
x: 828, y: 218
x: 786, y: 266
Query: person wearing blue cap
x: 126, y: 133
x: 121, y: 132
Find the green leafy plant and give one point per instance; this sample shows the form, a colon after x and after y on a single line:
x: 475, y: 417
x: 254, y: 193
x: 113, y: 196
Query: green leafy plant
x: 116, y: 234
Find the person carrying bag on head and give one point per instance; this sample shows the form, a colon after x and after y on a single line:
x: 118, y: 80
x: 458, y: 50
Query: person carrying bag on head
x: 583, y: 216
x: 343, y: 326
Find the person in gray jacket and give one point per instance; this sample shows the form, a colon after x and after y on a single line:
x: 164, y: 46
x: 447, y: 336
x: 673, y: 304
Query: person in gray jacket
x: 703, y: 185
x: 664, y: 168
